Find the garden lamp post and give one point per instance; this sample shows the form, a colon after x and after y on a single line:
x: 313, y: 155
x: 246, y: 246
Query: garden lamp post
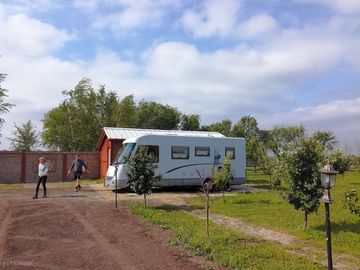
x: 328, y: 176
x: 116, y: 180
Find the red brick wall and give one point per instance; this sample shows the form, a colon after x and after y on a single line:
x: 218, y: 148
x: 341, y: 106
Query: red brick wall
x: 17, y: 167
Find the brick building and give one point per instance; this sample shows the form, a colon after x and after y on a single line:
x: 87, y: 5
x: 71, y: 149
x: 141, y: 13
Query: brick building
x: 22, y: 167
x: 111, y: 141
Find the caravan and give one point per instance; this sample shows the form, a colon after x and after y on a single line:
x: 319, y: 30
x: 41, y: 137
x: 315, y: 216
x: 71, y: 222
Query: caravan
x: 180, y: 158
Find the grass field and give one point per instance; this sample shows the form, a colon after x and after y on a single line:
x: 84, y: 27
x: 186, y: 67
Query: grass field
x: 228, y: 248
x: 269, y: 209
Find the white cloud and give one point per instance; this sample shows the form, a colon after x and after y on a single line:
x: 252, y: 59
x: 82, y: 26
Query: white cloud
x: 130, y: 14
x: 20, y: 34
x: 341, y: 117
x: 215, y: 18
x: 258, y: 25
x: 224, y: 83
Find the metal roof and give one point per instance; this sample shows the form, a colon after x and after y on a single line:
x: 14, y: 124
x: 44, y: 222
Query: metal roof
x: 125, y: 133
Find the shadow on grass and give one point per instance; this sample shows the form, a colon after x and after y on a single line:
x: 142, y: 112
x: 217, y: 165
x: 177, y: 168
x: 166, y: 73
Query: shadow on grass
x: 169, y: 207
x: 337, y: 227
x: 260, y: 181
x: 253, y: 202
x: 255, y: 185
x: 159, y: 190
x: 353, y: 183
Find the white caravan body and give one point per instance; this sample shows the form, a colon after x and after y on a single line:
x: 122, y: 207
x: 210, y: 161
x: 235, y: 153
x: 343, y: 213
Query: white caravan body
x: 180, y: 157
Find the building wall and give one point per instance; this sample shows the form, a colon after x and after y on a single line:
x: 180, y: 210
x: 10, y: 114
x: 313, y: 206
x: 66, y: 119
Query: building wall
x: 104, y: 157
x: 108, y: 148
x: 22, y: 167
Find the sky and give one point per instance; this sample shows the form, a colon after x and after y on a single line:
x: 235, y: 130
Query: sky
x: 284, y: 62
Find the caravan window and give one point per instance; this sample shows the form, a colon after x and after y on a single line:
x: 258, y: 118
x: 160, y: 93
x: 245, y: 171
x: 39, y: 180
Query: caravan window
x: 202, y: 151
x: 125, y: 153
x: 180, y: 152
x: 153, y: 151
x: 230, y: 151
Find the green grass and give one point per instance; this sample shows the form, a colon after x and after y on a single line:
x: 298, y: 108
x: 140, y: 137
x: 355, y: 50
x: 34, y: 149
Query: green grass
x: 228, y: 248
x: 269, y: 209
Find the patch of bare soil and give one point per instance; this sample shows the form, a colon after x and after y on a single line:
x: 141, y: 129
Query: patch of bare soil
x: 65, y: 231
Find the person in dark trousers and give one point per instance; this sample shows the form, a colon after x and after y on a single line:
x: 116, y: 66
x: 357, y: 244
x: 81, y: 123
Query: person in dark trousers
x: 78, y: 166
x: 43, y: 173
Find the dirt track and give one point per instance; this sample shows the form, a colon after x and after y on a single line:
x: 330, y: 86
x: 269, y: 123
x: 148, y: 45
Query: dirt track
x: 72, y: 230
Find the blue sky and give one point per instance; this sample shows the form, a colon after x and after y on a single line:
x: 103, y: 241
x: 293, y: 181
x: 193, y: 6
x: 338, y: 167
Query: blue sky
x: 285, y: 62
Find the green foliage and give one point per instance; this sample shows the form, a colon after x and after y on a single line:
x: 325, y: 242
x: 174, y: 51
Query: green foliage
x: 340, y: 161
x: 280, y: 172
x: 141, y: 172
x: 275, y: 168
x: 304, y: 165
x: 224, y: 246
x: 221, y: 179
x: 268, y: 166
x: 190, y: 122
x: 106, y: 104
x: 255, y: 151
x: 157, y: 116
x: 326, y: 138
x: 224, y: 127
x: 352, y: 201
x: 247, y: 127
x: 283, y: 139
x: 126, y: 113
x: 75, y: 125
x: 4, y: 106
x: 26, y: 138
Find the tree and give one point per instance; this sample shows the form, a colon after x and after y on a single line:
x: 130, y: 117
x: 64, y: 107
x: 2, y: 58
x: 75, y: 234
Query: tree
x: 268, y: 166
x: 126, y: 113
x: 340, y: 161
x: 4, y: 106
x: 190, y: 122
x: 326, y: 138
x: 283, y: 139
x: 222, y: 178
x: 247, y: 127
x: 106, y: 105
x: 206, y: 186
x: 141, y: 172
x: 255, y: 150
x: 75, y: 125
x: 280, y: 171
x: 26, y: 138
x: 352, y: 201
x: 154, y: 115
x: 304, y: 164
x: 224, y: 127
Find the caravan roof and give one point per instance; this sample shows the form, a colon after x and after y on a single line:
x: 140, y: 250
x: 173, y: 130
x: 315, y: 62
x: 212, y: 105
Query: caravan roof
x: 125, y: 133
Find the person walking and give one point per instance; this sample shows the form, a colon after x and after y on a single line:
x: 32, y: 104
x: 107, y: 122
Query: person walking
x: 43, y: 173
x: 78, y: 166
